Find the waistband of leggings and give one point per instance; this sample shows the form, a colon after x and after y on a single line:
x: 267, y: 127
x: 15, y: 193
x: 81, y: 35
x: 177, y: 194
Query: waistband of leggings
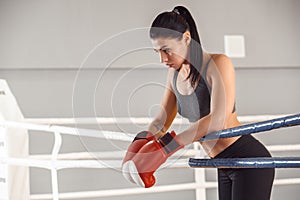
x: 238, y: 144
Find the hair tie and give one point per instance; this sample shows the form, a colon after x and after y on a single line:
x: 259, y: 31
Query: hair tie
x: 175, y: 10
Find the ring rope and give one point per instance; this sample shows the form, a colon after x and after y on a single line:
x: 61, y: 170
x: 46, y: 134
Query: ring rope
x: 260, y: 162
x: 288, y: 121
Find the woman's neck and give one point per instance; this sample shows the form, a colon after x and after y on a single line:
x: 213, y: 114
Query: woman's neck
x: 184, y: 70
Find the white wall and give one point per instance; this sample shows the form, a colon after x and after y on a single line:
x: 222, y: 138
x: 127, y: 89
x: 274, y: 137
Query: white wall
x: 59, y: 34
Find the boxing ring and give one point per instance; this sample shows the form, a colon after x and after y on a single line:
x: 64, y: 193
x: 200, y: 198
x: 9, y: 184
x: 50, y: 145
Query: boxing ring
x: 57, y: 161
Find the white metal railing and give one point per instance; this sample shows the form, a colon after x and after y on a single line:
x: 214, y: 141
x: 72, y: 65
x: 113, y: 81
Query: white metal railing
x: 56, y: 161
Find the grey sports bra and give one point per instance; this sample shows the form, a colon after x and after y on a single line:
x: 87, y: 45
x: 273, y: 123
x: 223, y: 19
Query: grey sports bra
x: 197, y: 104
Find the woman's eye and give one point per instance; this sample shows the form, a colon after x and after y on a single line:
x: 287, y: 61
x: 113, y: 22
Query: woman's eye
x: 167, y: 50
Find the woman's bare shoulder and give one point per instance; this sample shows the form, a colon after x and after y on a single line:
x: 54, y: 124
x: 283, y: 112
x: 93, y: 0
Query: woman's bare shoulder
x: 220, y: 65
x: 221, y: 61
x: 220, y: 58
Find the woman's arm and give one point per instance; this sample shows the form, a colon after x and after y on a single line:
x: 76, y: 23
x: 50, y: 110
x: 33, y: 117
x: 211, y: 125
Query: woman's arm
x: 168, y: 109
x: 221, y: 79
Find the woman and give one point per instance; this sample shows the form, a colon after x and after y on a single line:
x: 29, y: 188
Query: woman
x: 200, y: 87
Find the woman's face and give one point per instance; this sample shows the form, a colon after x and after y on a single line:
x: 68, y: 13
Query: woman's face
x: 173, y: 52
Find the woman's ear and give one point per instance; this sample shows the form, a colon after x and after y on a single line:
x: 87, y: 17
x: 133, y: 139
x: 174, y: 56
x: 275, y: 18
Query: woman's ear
x: 187, y: 37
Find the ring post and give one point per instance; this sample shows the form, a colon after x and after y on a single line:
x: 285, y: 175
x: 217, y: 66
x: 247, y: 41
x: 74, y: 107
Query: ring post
x: 14, y: 180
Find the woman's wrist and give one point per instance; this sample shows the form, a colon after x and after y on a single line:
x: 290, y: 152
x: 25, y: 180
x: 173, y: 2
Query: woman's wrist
x: 157, y: 130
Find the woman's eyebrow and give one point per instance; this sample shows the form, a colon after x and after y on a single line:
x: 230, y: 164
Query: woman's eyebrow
x: 164, y: 46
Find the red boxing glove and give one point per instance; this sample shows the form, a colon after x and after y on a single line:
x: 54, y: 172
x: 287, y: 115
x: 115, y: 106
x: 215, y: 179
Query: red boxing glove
x: 138, y: 142
x: 151, y: 156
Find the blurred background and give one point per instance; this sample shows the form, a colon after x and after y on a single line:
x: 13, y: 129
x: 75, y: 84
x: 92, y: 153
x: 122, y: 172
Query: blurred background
x: 89, y: 58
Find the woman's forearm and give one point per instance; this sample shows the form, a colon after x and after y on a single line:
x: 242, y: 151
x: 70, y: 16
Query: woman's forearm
x: 199, y: 129
x: 196, y: 131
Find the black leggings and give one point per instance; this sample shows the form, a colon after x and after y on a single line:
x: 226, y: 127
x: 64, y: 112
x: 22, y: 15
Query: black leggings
x: 245, y: 184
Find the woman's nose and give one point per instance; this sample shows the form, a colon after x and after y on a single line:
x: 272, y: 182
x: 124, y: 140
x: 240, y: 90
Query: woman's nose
x: 163, y: 57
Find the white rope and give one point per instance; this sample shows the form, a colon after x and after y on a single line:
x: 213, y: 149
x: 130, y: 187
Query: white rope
x: 82, y: 155
x: 60, y: 164
x: 132, y: 191
x: 119, y: 192
x: 75, y: 159
x: 136, y: 120
x: 64, y: 164
x: 70, y: 131
x: 121, y: 154
x: 105, y: 155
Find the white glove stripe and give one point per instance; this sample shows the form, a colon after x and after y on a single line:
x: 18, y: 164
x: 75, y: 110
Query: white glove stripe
x: 135, y: 174
x: 126, y: 173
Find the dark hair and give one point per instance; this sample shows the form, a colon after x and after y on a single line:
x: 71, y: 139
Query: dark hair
x: 172, y: 25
